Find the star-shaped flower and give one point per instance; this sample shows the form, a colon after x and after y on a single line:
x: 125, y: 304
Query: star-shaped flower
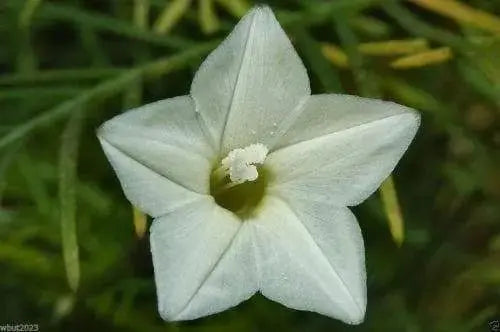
x: 249, y: 178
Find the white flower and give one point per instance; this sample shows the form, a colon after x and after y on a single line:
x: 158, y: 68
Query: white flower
x: 249, y: 177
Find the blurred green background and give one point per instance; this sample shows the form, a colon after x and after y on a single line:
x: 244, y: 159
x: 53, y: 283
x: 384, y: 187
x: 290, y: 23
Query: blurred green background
x: 75, y: 256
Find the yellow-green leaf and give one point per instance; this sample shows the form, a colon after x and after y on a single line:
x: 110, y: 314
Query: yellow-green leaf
x: 209, y: 21
x: 170, y: 15
x: 141, y: 13
x: 462, y: 13
x: 423, y: 59
x: 394, y: 47
x: 335, y: 55
x: 392, y: 210
x: 237, y: 8
x: 140, y: 223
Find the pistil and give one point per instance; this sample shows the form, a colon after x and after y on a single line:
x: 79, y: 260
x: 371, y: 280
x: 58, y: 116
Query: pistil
x: 240, y: 166
x: 239, y: 182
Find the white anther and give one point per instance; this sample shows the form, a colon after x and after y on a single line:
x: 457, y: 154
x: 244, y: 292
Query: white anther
x: 240, y: 163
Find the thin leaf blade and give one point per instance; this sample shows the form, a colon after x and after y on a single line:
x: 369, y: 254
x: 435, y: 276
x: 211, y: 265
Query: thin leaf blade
x: 392, y: 210
x: 68, y: 155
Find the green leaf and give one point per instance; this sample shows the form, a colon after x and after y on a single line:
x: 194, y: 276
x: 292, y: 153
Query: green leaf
x: 237, y: 8
x: 370, y: 26
x: 59, y: 75
x: 39, y: 92
x: 366, y: 82
x: 100, y: 22
x: 152, y: 70
x: 320, y: 66
x: 27, y: 12
x: 26, y: 258
x: 414, y: 25
x: 68, y: 155
x: 107, y: 88
x: 36, y: 186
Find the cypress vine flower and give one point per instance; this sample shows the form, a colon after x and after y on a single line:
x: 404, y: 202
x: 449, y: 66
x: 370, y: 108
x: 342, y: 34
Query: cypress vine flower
x: 249, y: 179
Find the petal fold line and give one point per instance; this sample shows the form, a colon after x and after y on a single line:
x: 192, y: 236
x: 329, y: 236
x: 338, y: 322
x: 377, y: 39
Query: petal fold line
x: 337, y: 133
x: 346, y: 289
x: 147, y: 167
x: 409, y: 112
x: 149, y: 139
x: 235, y: 88
x: 219, y: 140
x: 209, y: 273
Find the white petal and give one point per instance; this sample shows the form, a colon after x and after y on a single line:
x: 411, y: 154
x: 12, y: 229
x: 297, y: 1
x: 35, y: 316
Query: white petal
x: 203, y: 260
x: 144, y: 188
x: 312, y: 258
x: 328, y: 113
x: 341, y: 148
x: 253, y: 81
x: 159, y: 154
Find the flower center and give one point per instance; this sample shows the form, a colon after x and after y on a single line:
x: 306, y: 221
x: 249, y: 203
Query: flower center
x: 238, y: 183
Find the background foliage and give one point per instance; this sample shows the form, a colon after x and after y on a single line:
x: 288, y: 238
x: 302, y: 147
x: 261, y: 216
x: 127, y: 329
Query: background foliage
x: 75, y: 256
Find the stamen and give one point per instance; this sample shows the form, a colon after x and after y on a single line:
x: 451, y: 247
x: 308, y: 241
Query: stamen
x: 240, y: 163
x: 239, y: 182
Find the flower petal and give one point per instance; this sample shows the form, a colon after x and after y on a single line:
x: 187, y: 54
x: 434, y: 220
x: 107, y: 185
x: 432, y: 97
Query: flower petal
x: 143, y: 187
x: 203, y: 260
x: 312, y: 258
x: 250, y: 83
x: 159, y: 154
x: 341, y: 148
